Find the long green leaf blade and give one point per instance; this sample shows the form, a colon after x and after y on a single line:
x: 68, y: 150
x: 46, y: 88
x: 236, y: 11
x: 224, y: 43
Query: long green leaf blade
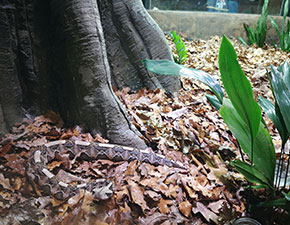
x: 264, y: 157
x: 251, y: 173
x: 276, y: 117
x: 214, y: 101
x: 285, y: 72
x: 238, y: 87
x: 282, y: 95
x: 275, y: 25
x: 170, y: 68
x: 243, y: 41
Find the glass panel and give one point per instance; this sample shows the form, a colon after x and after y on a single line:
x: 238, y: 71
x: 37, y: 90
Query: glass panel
x: 231, y: 6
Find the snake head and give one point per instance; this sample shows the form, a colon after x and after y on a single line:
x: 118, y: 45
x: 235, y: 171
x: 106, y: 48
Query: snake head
x: 103, y: 189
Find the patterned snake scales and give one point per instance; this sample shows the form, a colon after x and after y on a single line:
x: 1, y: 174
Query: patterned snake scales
x: 101, y: 189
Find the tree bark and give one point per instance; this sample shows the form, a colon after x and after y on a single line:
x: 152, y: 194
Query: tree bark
x: 10, y: 91
x: 132, y: 35
x: 63, y: 55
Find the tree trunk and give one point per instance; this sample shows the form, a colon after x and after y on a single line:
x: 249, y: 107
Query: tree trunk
x: 63, y: 55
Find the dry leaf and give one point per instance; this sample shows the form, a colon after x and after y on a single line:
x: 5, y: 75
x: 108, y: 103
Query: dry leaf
x: 137, y: 194
x: 185, y: 208
x: 207, y: 214
x: 163, y: 205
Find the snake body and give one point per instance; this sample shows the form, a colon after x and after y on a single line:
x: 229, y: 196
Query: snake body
x: 102, y: 189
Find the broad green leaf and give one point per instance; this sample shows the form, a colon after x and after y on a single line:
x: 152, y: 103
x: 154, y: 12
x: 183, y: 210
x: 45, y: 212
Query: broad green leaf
x: 281, y: 202
x: 282, y: 95
x: 214, y: 101
x: 284, y: 69
x: 238, y: 87
x: 170, y: 68
x: 274, y: 114
x: 251, y: 173
x: 287, y: 196
x: 264, y: 157
x: 259, y: 186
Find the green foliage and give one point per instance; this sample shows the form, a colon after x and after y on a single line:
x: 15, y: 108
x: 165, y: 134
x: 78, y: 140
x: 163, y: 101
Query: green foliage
x: 257, y: 35
x: 279, y: 112
x: 261, y: 154
x: 170, y: 68
x: 283, y: 203
x: 180, y: 47
x: 284, y: 35
x: 241, y: 113
x: 281, y: 92
x: 238, y: 87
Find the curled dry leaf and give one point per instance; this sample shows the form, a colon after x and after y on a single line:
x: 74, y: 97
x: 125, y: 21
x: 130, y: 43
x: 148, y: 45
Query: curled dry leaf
x: 156, y: 218
x: 137, y: 194
x: 207, y: 214
x: 155, y: 184
x: 16, y: 163
x: 153, y: 195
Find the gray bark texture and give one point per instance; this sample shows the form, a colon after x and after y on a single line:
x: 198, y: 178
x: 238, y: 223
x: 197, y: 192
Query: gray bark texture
x: 65, y: 56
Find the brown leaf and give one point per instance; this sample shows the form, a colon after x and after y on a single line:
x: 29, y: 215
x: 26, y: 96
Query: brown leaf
x: 137, y: 194
x: 131, y: 169
x: 163, y: 205
x: 152, y: 195
x: 185, y: 207
x: 120, y: 194
x: 216, y: 206
x: 156, y: 218
x: 154, y: 183
x: 16, y: 163
x: 173, y: 189
x: 18, y: 182
x: 4, y: 182
x: 207, y: 214
x: 6, y: 148
x: 53, y: 165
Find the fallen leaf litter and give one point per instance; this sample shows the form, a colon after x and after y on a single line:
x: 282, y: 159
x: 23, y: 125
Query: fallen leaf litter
x: 144, y: 194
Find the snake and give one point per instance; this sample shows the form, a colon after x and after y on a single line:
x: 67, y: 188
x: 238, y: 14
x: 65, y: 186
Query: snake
x: 101, y: 189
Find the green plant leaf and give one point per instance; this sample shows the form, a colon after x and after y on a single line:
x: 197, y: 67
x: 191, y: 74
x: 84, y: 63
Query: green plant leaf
x: 282, y: 94
x: 251, y: 173
x: 259, y: 186
x: 180, y: 47
x: 274, y: 114
x: 258, y: 35
x: 281, y: 202
x: 287, y: 196
x: 286, y: 8
x: 238, y: 87
x: 243, y: 41
x: 284, y: 36
x: 170, y: 68
x: 264, y: 158
x: 284, y: 69
x: 275, y: 25
x: 250, y: 34
x: 214, y: 101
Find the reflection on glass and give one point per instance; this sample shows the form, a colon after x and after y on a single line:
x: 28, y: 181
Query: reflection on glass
x: 230, y: 6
